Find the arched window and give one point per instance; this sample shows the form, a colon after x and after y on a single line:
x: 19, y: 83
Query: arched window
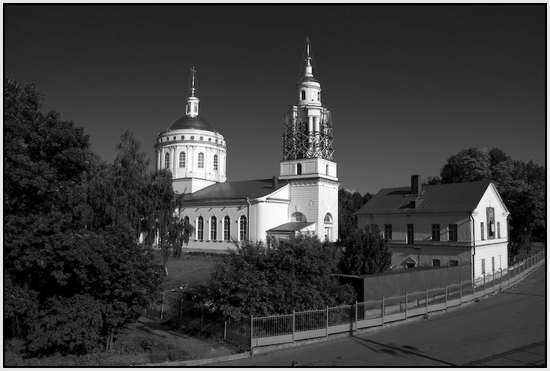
x: 200, y: 228
x: 298, y: 217
x: 182, y: 159
x: 215, y: 162
x: 242, y: 228
x: 303, y: 95
x: 201, y: 160
x: 298, y: 169
x: 167, y: 160
x: 213, y: 228
x: 226, y: 228
x: 328, y: 227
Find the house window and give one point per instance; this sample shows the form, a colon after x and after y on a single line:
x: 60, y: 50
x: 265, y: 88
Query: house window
x: 242, y: 228
x: 410, y: 234
x: 482, y: 227
x: 201, y: 160
x: 490, y: 223
x: 298, y: 169
x: 182, y: 159
x: 436, y: 263
x: 215, y: 162
x: 483, y: 266
x: 226, y: 228
x: 436, y: 232
x: 453, y: 263
x: 498, y: 229
x: 200, y: 228
x: 387, y: 232
x: 453, y: 232
x: 303, y: 95
x: 167, y: 161
x: 213, y: 228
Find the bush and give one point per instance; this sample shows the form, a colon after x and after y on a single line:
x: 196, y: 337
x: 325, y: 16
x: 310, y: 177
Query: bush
x: 68, y: 325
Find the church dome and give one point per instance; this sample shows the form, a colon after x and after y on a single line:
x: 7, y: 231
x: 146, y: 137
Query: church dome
x: 188, y: 122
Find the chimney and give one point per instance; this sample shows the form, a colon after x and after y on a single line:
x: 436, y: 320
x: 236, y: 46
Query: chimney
x: 275, y: 182
x: 416, y: 184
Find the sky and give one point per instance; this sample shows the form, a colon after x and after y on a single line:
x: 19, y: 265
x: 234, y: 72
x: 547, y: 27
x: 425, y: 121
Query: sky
x: 407, y: 85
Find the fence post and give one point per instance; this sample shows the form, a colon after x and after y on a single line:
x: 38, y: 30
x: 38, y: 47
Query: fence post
x: 484, y: 282
x: 293, y: 324
x: 427, y: 309
x: 460, y: 292
x: 356, y: 319
x: 224, y: 330
x: 446, y: 293
x: 251, y: 333
x: 406, y: 303
x: 383, y: 310
x: 327, y: 320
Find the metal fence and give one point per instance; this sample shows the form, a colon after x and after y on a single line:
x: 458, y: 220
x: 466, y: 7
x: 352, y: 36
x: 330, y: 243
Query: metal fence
x: 286, y: 328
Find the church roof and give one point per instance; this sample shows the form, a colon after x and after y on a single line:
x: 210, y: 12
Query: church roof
x: 239, y: 189
x: 291, y: 227
x: 187, y: 122
x: 452, y: 197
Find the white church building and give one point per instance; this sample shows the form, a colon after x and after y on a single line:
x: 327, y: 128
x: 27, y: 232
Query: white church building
x: 302, y: 199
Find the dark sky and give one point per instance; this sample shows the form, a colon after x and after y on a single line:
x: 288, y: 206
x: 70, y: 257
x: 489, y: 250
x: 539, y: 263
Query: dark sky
x: 408, y: 85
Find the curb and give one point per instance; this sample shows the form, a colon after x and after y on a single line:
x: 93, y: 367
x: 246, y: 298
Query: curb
x: 202, y: 361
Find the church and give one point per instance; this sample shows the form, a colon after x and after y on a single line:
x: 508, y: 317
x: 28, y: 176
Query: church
x: 301, y: 200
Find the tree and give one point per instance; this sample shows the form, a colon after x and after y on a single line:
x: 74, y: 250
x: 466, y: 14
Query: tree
x: 71, y: 257
x: 295, y: 275
x: 348, y: 204
x: 364, y: 252
x: 466, y: 166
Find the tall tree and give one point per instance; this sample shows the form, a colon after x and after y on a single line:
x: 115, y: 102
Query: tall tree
x: 348, y: 203
x: 364, y: 252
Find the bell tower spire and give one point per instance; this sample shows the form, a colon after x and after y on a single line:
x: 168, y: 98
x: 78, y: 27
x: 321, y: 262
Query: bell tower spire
x: 192, y: 106
x: 309, y: 69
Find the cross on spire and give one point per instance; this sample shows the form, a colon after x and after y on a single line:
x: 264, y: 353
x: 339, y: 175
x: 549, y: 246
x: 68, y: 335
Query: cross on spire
x: 193, y: 76
x: 308, y: 70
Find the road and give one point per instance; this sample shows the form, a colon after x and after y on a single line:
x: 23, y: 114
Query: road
x: 504, y: 330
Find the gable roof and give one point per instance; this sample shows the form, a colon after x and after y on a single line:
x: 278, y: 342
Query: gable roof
x: 452, y: 197
x: 240, y: 189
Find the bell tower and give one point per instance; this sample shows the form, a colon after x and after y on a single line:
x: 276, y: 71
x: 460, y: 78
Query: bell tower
x: 308, y: 156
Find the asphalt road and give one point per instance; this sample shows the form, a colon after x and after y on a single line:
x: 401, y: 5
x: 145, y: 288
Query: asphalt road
x: 504, y: 330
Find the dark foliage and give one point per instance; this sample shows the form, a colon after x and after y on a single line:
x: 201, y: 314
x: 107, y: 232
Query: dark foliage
x: 295, y: 275
x: 348, y: 204
x: 364, y: 252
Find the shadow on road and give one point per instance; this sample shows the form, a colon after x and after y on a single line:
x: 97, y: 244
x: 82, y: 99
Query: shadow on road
x: 533, y: 354
x: 397, y: 350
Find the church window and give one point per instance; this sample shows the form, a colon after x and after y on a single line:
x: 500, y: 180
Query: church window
x: 200, y: 228
x: 303, y: 95
x: 174, y: 138
x: 328, y: 226
x: 298, y: 169
x: 182, y: 159
x: 201, y: 160
x: 319, y: 96
x: 215, y: 162
x: 213, y: 228
x: 167, y: 160
x: 298, y: 217
x: 242, y: 228
x: 201, y: 138
x: 328, y: 218
x: 192, y: 137
x: 226, y: 228
x: 209, y: 139
x: 182, y: 137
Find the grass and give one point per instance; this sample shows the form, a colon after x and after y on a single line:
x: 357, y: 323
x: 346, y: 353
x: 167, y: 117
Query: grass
x: 189, y: 269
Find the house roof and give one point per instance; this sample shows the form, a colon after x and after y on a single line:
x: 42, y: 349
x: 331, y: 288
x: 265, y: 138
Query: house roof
x: 291, y: 227
x: 452, y: 197
x: 240, y: 189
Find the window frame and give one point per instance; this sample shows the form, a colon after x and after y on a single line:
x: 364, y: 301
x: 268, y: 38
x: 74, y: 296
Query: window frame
x: 243, y: 228
x: 167, y: 160
x: 213, y: 228
x: 410, y: 232
x: 436, y: 232
x: 200, y: 160
x: 388, y: 228
x: 227, y: 228
x: 183, y: 158
x: 200, y: 228
x: 453, y: 232
x: 215, y: 162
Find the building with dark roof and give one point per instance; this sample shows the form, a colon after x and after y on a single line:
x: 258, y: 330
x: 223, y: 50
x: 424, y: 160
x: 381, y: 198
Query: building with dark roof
x: 440, y: 225
x: 303, y: 199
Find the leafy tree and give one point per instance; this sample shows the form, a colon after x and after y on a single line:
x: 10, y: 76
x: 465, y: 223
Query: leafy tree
x: 295, y: 275
x: 70, y: 231
x: 348, y: 204
x: 364, y: 252
x: 466, y: 166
